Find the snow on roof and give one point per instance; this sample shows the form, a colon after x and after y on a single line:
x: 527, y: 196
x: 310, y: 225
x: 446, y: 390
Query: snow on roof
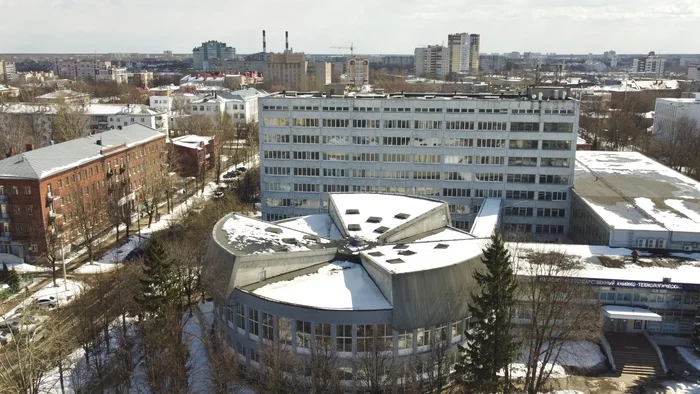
x: 244, y: 232
x: 630, y: 313
x: 421, y: 256
x: 602, y: 262
x: 321, y: 225
x: 339, y: 285
x: 362, y: 209
x: 191, y: 141
x: 487, y: 218
x: 632, y: 192
x: 62, y: 93
x: 580, y: 141
x: 447, y: 234
x: 89, y: 109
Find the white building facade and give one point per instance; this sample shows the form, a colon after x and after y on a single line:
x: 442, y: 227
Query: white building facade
x: 460, y: 148
x: 358, y: 71
x: 433, y: 60
x: 669, y: 110
x: 651, y: 64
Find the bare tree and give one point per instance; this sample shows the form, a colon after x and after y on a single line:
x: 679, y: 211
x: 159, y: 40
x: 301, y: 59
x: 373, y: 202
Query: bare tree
x: 69, y: 122
x: 322, y: 363
x: 86, y: 212
x: 559, y: 309
x: 377, y: 369
x: 224, y: 363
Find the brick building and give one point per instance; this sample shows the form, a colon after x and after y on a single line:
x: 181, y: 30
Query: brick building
x: 39, y: 187
x: 196, y: 154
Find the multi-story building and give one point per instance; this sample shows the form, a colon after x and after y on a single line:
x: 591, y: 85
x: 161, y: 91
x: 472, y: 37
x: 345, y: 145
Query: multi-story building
x: 8, y: 91
x: 97, y: 117
x: 458, y: 46
x: 98, y: 70
x: 287, y: 69
x: 8, y: 72
x: 357, y: 71
x: 492, y: 62
x: 694, y: 72
x: 38, y: 187
x: 402, y: 61
x: 211, y: 50
x: 241, y: 105
x: 462, y: 148
x: 318, y: 74
x: 433, y: 60
x: 474, y: 44
x: 651, y: 64
x: 196, y: 154
x: 668, y: 111
x: 142, y: 78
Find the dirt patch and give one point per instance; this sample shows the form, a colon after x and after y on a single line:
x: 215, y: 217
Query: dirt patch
x: 611, y: 262
x: 663, y: 262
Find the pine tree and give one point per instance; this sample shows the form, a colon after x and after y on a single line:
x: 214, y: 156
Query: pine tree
x: 696, y: 331
x: 157, y: 289
x: 13, y: 280
x: 490, y: 346
x: 4, y: 274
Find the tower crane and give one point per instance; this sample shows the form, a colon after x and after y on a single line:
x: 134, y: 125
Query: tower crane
x: 351, y: 48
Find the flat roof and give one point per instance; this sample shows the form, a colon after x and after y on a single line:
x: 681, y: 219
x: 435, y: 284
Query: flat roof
x: 630, y: 191
x: 370, y: 215
x: 340, y: 285
x: 320, y: 224
x: 421, y: 256
x: 253, y: 236
x: 630, y: 313
x: 407, y: 95
x: 487, y: 218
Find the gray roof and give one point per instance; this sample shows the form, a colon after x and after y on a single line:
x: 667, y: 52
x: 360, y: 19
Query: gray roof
x: 43, y: 162
x: 242, y: 94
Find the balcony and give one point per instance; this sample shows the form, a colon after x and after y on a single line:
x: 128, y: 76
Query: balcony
x: 5, y: 236
x: 109, y: 172
x: 53, y: 217
x: 122, y: 169
x: 3, y: 198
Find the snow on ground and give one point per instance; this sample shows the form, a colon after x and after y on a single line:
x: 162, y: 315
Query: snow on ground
x: 321, y: 225
x: 199, y: 371
x: 519, y: 370
x: 338, y: 285
x: 681, y: 388
x: 689, y: 356
x: 567, y: 392
x: 63, y: 293
x: 580, y: 355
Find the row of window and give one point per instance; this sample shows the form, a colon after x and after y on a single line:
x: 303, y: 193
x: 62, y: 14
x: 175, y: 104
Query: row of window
x: 454, y: 142
x: 420, y: 110
x: 550, y: 127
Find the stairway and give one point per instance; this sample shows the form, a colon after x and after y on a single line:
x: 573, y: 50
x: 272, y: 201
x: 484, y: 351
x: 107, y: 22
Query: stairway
x: 633, y: 354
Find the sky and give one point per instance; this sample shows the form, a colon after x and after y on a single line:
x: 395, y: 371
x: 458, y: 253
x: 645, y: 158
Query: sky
x: 373, y: 26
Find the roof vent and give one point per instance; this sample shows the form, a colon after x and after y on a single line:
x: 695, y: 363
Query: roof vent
x: 310, y: 237
x: 402, y: 216
x: 441, y: 246
x: 274, y: 230
x: 374, y: 219
x: 401, y: 246
x: 280, y: 248
x: 376, y: 254
x: 666, y: 280
x: 381, y: 230
x: 354, y: 227
x: 291, y: 241
x: 352, y: 211
x: 407, y: 252
x: 395, y: 261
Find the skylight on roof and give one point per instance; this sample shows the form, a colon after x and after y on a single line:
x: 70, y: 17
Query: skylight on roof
x: 312, y: 237
x: 407, y: 252
x: 352, y: 211
x: 374, y: 219
x: 291, y: 241
x: 280, y: 248
x: 354, y: 227
x: 275, y: 230
x: 376, y: 254
x: 441, y: 246
x: 395, y: 261
x: 381, y: 229
x: 402, y: 216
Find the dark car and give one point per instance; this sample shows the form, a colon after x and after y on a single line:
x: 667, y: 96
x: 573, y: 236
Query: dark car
x: 242, y: 169
x: 134, y: 254
x: 231, y: 174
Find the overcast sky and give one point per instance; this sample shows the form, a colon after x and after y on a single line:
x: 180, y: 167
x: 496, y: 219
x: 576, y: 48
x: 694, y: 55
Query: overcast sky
x: 375, y: 26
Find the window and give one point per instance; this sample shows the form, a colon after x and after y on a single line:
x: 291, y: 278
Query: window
x: 365, y: 140
x: 306, y: 156
x: 30, y: 210
x: 456, y: 329
x: 253, y: 319
x: 556, y: 145
x: 525, y: 126
x: 552, y: 196
x: 489, y: 177
x: 305, y: 139
x: 323, y: 336
x: 305, y: 122
x: 427, y: 159
x: 304, y: 334
x: 285, y: 330
x: 521, y: 178
x: 396, y: 141
x: 365, y: 335
x: 441, y: 333
x: 276, y: 138
x: 397, y: 124
x: 343, y: 338
x: 277, y: 171
x: 517, y: 228
x: 491, y: 126
x: 427, y: 191
x: 405, y: 339
x: 276, y: 154
x: 517, y: 211
x: 487, y: 193
x: 459, y: 142
x: 18, y: 210
x: 555, y: 179
x: 423, y: 337
x: 335, y: 139
x: 398, y: 174
x: 522, y: 144
x: 520, y: 195
x: 336, y: 172
x: 455, y: 192
x: 455, y: 159
x: 457, y: 176
x: 305, y: 187
x: 366, y: 123
x: 558, y: 127
x: 386, y: 335
x: 335, y: 156
x: 551, y: 212
x: 397, y: 157
x: 461, y: 224
x: 490, y: 160
x: 554, y: 162
x: 490, y: 143
x: 336, y: 122
x: 549, y: 229
x: 365, y: 157
x: 427, y: 124
x: 268, y: 326
x: 271, y: 122
x: 306, y: 171
x: 367, y: 173
x: 459, y: 125
x: 522, y: 161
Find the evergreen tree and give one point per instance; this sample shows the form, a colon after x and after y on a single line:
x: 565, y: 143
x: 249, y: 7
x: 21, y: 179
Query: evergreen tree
x: 4, y: 274
x: 695, y: 336
x: 13, y: 280
x: 490, y: 344
x: 157, y: 285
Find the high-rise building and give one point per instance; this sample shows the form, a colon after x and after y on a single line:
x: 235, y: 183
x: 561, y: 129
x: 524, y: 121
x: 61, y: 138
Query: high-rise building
x: 432, y: 60
x: 287, y: 69
x: 358, y: 71
x: 8, y: 72
x: 474, y: 41
x: 650, y: 64
x: 98, y: 70
x: 211, y: 50
x: 458, y: 48
x: 460, y: 148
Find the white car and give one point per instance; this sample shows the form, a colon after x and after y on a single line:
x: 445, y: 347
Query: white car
x: 48, y: 302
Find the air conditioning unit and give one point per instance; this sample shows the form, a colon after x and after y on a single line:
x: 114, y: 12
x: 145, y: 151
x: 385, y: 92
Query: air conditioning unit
x: 651, y: 243
x: 688, y: 248
x: 661, y: 244
x: 641, y: 243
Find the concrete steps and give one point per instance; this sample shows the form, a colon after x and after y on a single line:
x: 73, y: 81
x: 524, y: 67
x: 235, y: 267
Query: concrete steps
x: 633, y: 354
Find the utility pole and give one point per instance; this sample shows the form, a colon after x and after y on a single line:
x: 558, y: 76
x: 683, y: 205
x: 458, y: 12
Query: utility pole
x: 63, y: 258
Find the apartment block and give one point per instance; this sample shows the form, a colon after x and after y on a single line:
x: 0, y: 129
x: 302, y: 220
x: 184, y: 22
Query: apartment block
x: 357, y: 71
x: 651, y: 64
x: 458, y: 46
x: 38, y: 187
x: 97, y: 70
x: 8, y: 72
x: 208, y: 51
x: 460, y: 148
x: 433, y: 60
x: 474, y: 51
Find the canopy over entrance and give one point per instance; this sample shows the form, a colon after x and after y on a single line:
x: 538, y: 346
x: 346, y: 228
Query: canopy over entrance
x: 630, y: 313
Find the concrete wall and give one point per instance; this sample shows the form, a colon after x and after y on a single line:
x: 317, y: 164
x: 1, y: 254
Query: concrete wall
x: 255, y: 268
x: 427, y: 298
x: 436, y: 218
x: 381, y: 278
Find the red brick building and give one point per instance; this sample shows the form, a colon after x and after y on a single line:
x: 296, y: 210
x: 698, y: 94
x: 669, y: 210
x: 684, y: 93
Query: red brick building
x: 196, y: 154
x: 38, y: 187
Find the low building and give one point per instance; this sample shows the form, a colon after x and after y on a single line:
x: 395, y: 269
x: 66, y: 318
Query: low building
x: 97, y: 70
x: 37, y: 186
x: 9, y: 91
x: 625, y: 199
x: 669, y: 111
x: 196, y: 154
x: 142, y: 78
x: 64, y: 96
x: 241, y: 105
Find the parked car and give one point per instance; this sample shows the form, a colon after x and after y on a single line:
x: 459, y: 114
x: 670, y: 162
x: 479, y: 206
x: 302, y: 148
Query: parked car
x: 231, y: 174
x: 48, y: 302
x: 241, y: 169
x: 218, y: 195
x: 134, y: 254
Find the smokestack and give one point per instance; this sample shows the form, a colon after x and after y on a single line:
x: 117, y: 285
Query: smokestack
x: 286, y: 40
x: 264, y: 43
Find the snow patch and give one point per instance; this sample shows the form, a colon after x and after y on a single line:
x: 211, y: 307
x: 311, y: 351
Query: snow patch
x: 690, y: 357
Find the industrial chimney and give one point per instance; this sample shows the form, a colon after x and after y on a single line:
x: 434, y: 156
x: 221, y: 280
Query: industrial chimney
x: 286, y: 40
x: 264, y: 43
